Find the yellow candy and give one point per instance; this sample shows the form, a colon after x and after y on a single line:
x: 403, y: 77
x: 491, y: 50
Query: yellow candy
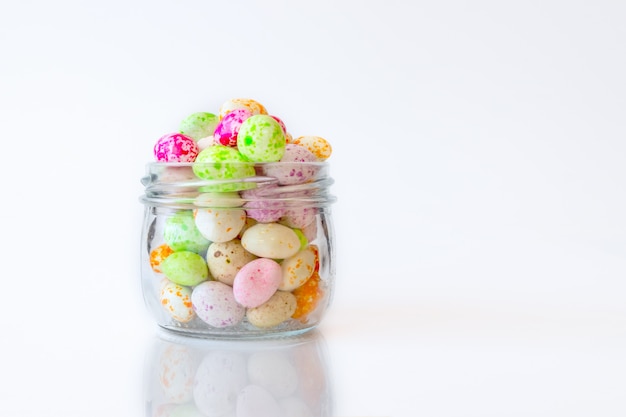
x: 242, y: 103
x: 308, y: 297
x: 317, y: 145
x: 157, y: 256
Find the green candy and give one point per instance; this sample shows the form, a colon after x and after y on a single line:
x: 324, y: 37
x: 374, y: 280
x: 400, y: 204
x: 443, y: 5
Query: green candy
x: 185, y: 268
x: 261, y: 139
x: 223, y: 163
x: 199, y: 125
x: 181, y: 234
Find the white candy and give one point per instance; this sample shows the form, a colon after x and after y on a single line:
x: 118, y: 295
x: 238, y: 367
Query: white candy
x: 176, y: 300
x: 297, y: 269
x: 271, y: 240
x: 219, y: 225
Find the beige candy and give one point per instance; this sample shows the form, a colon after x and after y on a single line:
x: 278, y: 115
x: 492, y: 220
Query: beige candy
x: 271, y: 240
x: 297, y: 269
x: 279, y: 308
x: 225, y: 259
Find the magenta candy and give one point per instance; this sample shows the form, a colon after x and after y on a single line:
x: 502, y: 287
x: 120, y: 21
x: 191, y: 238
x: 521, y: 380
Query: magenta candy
x: 175, y: 147
x: 281, y: 123
x: 227, y: 129
x: 256, y: 282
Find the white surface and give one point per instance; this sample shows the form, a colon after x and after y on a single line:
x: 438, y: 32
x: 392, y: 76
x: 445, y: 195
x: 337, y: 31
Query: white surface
x: 479, y: 164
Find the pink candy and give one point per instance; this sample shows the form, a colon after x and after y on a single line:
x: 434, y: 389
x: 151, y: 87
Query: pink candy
x: 175, y: 147
x: 256, y: 282
x: 227, y: 129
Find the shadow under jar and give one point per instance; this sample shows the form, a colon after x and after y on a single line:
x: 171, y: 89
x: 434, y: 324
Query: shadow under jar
x: 236, y: 249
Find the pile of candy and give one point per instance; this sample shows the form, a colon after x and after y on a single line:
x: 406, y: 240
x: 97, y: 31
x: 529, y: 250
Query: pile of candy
x: 238, y: 256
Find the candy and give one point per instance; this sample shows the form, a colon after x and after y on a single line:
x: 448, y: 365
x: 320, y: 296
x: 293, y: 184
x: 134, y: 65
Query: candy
x: 185, y: 268
x: 274, y: 311
x: 318, y: 146
x: 227, y: 129
x: 298, y: 217
x: 220, y: 162
x: 242, y: 103
x: 290, y: 171
x: 260, y: 204
x: 261, y: 139
x: 219, y: 200
x: 180, y: 233
x: 236, y: 244
x: 175, y: 147
x: 215, y: 304
x: 256, y: 282
x: 199, y: 125
x: 176, y: 300
x: 225, y: 259
x: 219, y: 225
x: 158, y: 254
x: 271, y: 240
x: 296, y: 270
x: 307, y: 297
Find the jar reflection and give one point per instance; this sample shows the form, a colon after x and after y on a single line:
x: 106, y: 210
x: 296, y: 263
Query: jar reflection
x: 187, y: 377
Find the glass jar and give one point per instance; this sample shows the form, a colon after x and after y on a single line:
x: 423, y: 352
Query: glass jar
x: 272, y: 377
x: 247, y: 253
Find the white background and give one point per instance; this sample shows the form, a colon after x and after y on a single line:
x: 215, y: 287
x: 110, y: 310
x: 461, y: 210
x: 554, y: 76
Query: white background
x: 479, y: 153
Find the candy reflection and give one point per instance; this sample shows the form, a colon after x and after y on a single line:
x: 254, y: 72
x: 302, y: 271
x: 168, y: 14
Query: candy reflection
x: 187, y: 377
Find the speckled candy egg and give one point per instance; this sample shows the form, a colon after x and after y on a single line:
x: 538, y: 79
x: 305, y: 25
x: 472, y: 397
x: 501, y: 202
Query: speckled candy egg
x: 318, y: 146
x: 175, y: 147
x: 219, y: 225
x: 157, y: 255
x: 199, y: 125
x: 256, y: 282
x: 185, y: 268
x: 180, y: 233
x: 215, y: 304
x: 261, y: 139
x: 279, y: 308
x: 299, y: 217
x: 241, y: 103
x: 227, y: 129
x: 297, y: 269
x: 176, y: 300
x: 281, y: 123
x: 308, y: 297
x: 271, y: 240
x: 220, y: 162
x: 293, y: 167
x: 219, y: 200
x: 259, y: 203
x: 225, y: 259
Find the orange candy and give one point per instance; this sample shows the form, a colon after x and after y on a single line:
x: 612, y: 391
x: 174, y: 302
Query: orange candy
x: 307, y: 297
x: 157, y: 256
